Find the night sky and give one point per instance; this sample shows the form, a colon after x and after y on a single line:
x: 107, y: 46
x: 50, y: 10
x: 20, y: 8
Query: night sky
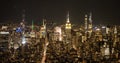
x: 104, y: 11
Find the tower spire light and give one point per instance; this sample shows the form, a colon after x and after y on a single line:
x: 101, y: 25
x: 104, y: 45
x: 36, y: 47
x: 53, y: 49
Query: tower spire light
x: 68, y: 17
x: 90, y: 17
x: 86, y: 22
x: 32, y: 25
x: 23, y: 15
x: 43, y: 22
x: 90, y: 25
x: 115, y: 30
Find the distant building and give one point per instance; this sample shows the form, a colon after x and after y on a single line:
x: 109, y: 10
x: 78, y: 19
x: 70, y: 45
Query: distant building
x: 57, y: 34
x: 4, y: 40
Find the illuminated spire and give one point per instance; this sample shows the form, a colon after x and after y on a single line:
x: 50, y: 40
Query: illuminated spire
x: 22, y: 23
x: 90, y: 21
x: 90, y: 17
x: 23, y: 16
x: 68, y: 17
x: 68, y: 24
x: 43, y: 22
x: 115, y: 30
x: 86, y: 22
x: 32, y: 25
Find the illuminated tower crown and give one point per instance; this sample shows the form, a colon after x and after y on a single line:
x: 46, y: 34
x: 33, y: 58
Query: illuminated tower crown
x: 68, y: 24
x: 32, y: 33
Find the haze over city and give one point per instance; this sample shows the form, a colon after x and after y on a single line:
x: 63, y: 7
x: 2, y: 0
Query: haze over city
x: 104, y: 11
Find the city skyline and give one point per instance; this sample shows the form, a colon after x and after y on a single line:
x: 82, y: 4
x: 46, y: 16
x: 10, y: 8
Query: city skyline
x: 54, y: 31
x: 103, y: 12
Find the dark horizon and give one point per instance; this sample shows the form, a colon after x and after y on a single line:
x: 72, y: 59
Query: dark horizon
x: 103, y: 12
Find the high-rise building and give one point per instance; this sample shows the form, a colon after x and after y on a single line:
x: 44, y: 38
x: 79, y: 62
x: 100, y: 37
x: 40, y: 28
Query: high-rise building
x: 32, y: 33
x: 115, y: 35
x: 57, y: 34
x: 22, y: 23
x: 90, y: 25
x: 86, y: 27
x: 43, y: 30
x: 68, y: 29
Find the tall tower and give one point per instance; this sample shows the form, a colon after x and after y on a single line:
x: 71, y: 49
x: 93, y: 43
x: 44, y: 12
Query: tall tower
x: 90, y: 25
x: 115, y: 30
x: 23, y: 16
x: 86, y: 24
x: 43, y: 30
x: 32, y: 26
x: 32, y: 33
x: 22, y: 23
x: 115, y: 34
x: 84, y: 38
x: 68, y: 30
x: 68, y: 24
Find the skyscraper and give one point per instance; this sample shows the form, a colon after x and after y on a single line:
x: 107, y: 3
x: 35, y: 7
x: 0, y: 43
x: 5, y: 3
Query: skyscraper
x: 86, y: 24
x: 43, y: 30
x: 68, y: 30
x: 22, y: 23
x: 90, y: 25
